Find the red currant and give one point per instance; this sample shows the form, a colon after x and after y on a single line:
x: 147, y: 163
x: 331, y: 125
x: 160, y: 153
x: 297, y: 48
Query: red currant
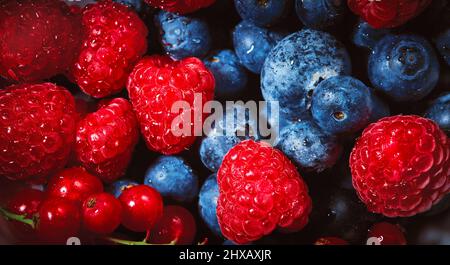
x: 388, y: 234
x: 101, y: 213
x: 176, y: 225
x: 142, y: 207
x: 74, y: 184
x: 57, y: 220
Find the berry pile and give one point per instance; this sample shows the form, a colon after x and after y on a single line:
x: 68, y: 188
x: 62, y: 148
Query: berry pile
x: 93, y: 144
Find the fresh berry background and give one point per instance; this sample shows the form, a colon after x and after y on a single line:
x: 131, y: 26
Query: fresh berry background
x: 362, y: 152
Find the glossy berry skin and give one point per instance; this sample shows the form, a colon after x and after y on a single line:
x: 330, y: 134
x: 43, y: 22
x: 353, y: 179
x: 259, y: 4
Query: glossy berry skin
x: 101, y: 213
x: 404, y: 66
x: 113, y: 41
x: 38, y: 39
x: 25, y: 202
x: 308, y: 146
x: 330, y: 241
x: 176, y: 225
x: 389, y: 234
x: 182, y: 36
x: 439, y: 112
x: 263, y: 13
x: 366, y: 36
x: 207, y: 203
x: 252, y: 44
x: 231, y: 77
x: 73, y: 184
x: 57, y: 220
x: 342, y: 104
x: 119, y: 186
x: 142, y: 207
x: 180, y: 6
x: 260, y: 189
x: 400, y: 165
x: 387, y: 14
x: 172, y: 177
x: 297, y: 64
x: 135, y: 4
x: 106, y: 139
x: 155, y: 84
x: 320, y: 14
x: 442, y: 43
x: 37, y: 130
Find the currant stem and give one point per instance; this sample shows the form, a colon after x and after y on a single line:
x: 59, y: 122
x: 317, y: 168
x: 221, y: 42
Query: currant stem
x: 139, y: 243
x: 16, y: 217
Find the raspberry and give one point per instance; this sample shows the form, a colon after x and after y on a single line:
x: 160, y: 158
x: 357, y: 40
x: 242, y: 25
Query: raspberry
x: 180, y: 6
x: 37, y: 130
x: 401, y: 165
x: 259, y: 189
x: 388, y: 234
x: 38, y: 39
x: 114, y: 39
x: 387, y: 14
x: 106, y: 139
x: 155, y: 84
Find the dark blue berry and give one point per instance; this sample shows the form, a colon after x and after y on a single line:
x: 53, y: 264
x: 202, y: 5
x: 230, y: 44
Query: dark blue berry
x: 252, y: 44
x: 404, y: 66
x: 297, y: 65
x: 263, y: 12
x: 183, y: 36
x: 207, y: 203
x: 172, y: 177
x: 230, y: 75
x: 439, y: 112
x: 309, y: 146
x: 443, y: 45
x: 136, y: 4
x: 320, y: 14
x: 366, y: 36
x: 120, y: 185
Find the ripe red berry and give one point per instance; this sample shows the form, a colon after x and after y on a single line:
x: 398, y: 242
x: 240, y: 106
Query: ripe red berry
x: 25, y: 202
x: 37, y: 130
x: 57, y: 220
x: 387, y: 14
x: 142, y: 207
x: 401, y: 165
x: 332, y: 241
x: 260, y: 189
x: 73, y: 184
x: 180, y: 6
x: 176, y: 224
x: 101, y: 213
x: 388, y: 234
x: 155, y: 84
x: 38, y: 39
x: 114, y: 40
x: 106, y: 139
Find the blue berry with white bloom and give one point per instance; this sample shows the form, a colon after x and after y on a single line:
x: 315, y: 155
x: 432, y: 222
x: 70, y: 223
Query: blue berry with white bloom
x: 320, y: 14
x: 207, y: 203
x: 439, y: 112
x: 443, y: 45
x: 136, y: 4
x: 118, y: 186
x: 263, y: 12
x: 366, y: 36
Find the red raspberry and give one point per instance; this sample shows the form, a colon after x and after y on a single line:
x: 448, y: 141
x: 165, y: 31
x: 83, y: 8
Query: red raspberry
x: 330, y: 241
x: 180, y: 6
x: 38, y: 39
x: 259, y: 189
x: 114, y: 40
x: 388, y: 234
x: 37, y: 130
x: 106, y: 139
x: 155, y: 84
x: 387, y: 13
x: 401, y: 165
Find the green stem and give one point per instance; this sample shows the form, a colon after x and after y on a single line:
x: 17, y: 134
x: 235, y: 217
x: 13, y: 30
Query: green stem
x: 16, y: 217
x: 138, y: 243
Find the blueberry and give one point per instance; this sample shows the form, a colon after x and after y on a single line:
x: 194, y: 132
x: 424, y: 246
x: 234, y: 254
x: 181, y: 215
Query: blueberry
x: 230, y: 75
x: 263, y: 12
x: 183, y: 36
x: 439, y: 112
x: 443, y: 45
x: 366, y: 36
x: 225, y: 135
x: 434, y: 231
x: 405, y: 67
x: 320, y: 14
x: 309, y: 146
x: 341, y: 104
x: 297, y: 64
x: 120, y: 185
x: 136, y: 4
x: 207, y: 203
x: 276, y: 119
x: 172, y: 177
x: 252, y: 44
